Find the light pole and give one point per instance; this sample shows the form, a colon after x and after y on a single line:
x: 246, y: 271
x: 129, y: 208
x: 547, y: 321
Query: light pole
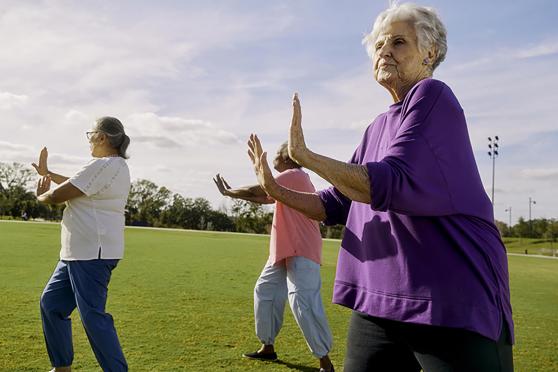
x: 493, y: 153
x: 509, y: 209
x: 531, y: 202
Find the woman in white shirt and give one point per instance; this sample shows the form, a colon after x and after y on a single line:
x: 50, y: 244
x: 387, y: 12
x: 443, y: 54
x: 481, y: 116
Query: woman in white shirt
x: 92, y: 242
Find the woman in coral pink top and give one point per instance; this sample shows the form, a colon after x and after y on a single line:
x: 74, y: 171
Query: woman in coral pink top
x: 292, y: 270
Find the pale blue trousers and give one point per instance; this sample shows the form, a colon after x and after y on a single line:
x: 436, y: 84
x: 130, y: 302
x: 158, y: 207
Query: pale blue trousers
x: 298, y: 279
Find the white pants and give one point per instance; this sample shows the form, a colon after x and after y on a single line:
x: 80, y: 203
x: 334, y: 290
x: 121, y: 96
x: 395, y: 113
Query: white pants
x: 297, y: 278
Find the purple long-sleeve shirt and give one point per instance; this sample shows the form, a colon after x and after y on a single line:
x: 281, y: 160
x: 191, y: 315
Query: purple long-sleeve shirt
x: 426, y: 250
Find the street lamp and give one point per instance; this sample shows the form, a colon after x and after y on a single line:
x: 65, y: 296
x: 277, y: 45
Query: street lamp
x: 531, y: 202
x: 493, y: 153
x: 509, y: 210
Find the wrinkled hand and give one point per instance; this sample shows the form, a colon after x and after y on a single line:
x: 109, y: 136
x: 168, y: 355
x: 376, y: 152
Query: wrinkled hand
x: 297, y: 145
x: 259, y: 160
x: 43, y: 185
x: 42, y: 168
x: 222, y: 185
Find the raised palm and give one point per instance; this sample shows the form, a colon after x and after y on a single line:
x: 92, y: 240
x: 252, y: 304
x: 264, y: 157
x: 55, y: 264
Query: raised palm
x: 297, y: 145
x: 42, y: 168
x: 259, y: 160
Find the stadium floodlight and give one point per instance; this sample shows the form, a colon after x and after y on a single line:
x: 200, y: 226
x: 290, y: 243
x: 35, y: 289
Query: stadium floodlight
x: 493, y: 153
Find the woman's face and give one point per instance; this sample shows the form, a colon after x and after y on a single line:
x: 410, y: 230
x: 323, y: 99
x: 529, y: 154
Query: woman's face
x: 397, y: 59
x: 95, y: 141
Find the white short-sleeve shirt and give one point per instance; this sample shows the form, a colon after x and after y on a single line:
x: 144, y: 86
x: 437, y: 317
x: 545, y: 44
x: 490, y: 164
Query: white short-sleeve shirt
x: 93, y: 224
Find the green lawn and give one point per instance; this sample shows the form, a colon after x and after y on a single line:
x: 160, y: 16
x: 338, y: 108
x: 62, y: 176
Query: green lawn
x: 183, y: 301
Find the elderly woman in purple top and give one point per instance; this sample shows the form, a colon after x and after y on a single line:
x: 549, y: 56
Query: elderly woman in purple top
x: 421, y: 263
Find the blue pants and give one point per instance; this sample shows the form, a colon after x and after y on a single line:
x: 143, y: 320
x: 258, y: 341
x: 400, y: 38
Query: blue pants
x: 81, y: 284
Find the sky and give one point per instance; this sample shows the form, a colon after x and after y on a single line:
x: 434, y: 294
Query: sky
x: 191, y: 80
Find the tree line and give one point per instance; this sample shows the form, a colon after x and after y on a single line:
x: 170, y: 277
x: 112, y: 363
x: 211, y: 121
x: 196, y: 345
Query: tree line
x: 538, y: 228
x: 148, y: 205
x: 157, y: 206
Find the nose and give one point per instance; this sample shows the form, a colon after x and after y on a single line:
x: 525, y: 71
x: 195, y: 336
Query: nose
x: 384, y: 53
x: 385, y: 50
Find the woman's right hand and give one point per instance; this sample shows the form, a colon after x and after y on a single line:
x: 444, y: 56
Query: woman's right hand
x: 42, y: 168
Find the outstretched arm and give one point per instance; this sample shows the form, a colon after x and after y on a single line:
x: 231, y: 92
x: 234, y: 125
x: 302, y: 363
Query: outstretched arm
x: 350, y: 179
x: 306, y: 203
x: 252, y: 193
x: 42, y: 168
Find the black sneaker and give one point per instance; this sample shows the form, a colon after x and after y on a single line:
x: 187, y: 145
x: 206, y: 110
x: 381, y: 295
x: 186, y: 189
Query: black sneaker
x: 331, y: 370
x: 260, y: 356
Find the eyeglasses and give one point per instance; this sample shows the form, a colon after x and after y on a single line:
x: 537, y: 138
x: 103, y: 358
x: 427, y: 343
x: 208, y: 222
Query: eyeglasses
x: 90, y: 134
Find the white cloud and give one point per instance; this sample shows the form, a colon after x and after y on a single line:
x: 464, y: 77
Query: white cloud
x: 76, y: 116
x: 174, y: 132
x: 540, y: 173
x: 10, y: 100
x: 543, y: 49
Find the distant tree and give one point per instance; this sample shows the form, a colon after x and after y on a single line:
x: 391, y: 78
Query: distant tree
x: 199, y: 211
x: 16, y: 199
x: 175, y: 213
x: 220, y: 221
x: 521, y: 228
x: 146, y: 202
x: 551, y: 233
x: 539, y: 228
x: 502, y: 228
x: 14, y: 175
x: 251, y: 217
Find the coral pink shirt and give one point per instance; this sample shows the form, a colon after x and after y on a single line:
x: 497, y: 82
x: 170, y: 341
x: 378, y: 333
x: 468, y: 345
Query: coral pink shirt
x: 292, y: 233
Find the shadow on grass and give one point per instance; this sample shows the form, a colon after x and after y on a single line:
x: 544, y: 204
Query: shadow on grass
x: 298, y: 367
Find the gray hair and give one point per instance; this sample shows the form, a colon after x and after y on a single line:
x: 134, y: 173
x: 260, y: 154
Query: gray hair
x: 284, y: 153
x: 428, y: 26
x: 114, y: 130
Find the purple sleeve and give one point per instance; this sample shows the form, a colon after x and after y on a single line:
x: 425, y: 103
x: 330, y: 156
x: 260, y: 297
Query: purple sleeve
x: 336, y: 206
x: 412, y: 177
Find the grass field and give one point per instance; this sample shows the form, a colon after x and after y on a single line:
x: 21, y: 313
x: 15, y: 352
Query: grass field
x: 183, y: 301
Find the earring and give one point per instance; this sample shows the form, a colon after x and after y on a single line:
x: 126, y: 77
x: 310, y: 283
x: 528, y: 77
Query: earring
x: 425, y: 61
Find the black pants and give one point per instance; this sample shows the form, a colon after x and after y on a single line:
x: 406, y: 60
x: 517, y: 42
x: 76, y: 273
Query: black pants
x: 379, y: 345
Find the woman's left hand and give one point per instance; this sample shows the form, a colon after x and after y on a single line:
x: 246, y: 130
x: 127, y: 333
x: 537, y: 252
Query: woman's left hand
x: 43, y: 185
x: 261, y: 167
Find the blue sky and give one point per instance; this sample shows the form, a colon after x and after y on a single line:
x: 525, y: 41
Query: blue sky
x: 191, y: 80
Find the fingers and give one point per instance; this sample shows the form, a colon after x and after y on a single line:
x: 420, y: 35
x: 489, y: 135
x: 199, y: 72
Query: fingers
x: 263, y: 160
x: 251, y: 155
x: 225, y: 183
x: 43, y: 185
x: 296, y: 104
x: 254, y: 148
x: 297, y: 113
x: 218, y: 181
